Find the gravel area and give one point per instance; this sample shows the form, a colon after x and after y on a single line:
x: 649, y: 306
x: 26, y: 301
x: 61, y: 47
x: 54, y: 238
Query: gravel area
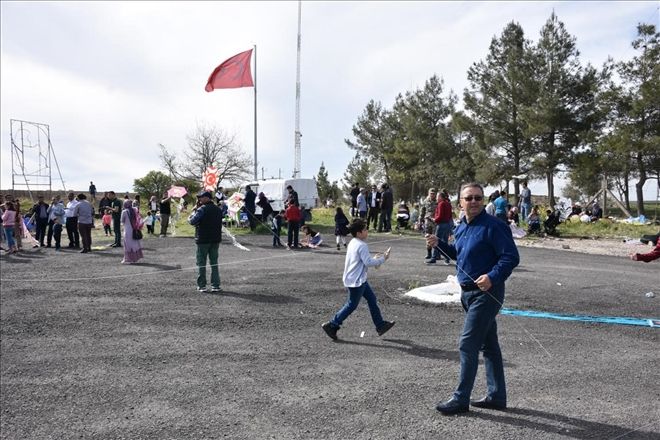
x: 92, y: 349
x: 600, y: 246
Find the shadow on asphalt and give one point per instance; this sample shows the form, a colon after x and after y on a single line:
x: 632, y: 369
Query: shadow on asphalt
x: 565, y: 426
x: 261, y: 298
x: 14, y: 259
x: 25, y: 255
x: 158, y: 266
x: 409, y: 347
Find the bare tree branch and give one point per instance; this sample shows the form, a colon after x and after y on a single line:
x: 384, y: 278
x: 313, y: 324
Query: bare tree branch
x: 209, y: 146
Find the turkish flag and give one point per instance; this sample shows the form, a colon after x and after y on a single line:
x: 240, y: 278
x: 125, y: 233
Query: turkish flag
x: 232, y: 73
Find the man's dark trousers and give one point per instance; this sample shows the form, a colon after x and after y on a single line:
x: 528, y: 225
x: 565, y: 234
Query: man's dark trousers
x: 373, y: 216
x: 116, y: 227
x: 72, y: 231
x: 480, y: 333
x: 42, y: 224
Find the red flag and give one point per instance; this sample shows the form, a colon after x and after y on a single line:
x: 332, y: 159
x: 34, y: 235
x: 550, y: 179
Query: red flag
x: 232, y: 73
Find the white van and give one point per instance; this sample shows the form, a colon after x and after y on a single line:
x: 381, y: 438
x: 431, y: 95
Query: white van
x: 277, y: 194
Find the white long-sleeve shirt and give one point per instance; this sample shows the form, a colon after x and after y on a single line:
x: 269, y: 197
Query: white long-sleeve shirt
x: 357, y: 262
x: 70, y: 208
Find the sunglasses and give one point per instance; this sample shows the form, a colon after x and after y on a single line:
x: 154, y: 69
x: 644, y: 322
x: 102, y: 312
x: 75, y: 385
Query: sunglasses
x: 475, y: 198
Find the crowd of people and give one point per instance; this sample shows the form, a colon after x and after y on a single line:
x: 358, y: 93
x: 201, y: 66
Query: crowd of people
x: 43, y: 225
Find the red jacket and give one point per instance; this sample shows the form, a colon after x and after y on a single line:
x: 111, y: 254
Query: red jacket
x: 293, y: 214
x: 650, y: 256
x: 443, y: 213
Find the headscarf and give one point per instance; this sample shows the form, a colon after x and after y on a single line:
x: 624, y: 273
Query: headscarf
x: 128, y: 206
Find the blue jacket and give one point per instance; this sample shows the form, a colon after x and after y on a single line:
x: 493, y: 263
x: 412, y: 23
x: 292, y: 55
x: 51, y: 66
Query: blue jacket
x: 483, y: 246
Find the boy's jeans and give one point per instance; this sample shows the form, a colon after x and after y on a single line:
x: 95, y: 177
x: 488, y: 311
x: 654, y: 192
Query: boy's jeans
x: 480, y: 333
x: 57, y: 233
x: 354, y: 295
x: 276, y: 237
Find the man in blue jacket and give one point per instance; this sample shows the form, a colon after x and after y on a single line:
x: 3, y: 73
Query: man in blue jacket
x: 485, y: 255
x: 207, y: 219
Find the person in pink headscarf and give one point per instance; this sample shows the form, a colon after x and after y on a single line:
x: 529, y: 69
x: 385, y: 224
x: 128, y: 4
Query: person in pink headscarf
x: 132, y: 222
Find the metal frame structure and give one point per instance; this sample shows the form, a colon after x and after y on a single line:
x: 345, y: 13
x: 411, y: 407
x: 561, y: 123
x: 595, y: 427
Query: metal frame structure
x: 32, y: 156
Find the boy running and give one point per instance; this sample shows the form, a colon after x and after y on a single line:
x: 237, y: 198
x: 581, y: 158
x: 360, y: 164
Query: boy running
x: 355, y: 280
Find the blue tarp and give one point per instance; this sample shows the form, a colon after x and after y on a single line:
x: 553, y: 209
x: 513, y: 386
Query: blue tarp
x: 644, y: 322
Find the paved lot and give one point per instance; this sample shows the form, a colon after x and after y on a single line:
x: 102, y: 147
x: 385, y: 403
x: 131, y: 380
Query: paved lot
x: 93, y: 349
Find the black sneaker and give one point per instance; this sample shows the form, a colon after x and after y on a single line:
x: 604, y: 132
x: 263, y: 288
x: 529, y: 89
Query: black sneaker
x: 385, y: 327
x: 330, y: 330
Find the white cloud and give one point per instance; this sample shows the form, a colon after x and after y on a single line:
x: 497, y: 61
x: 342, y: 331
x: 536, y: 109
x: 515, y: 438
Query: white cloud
x: 114, y: 79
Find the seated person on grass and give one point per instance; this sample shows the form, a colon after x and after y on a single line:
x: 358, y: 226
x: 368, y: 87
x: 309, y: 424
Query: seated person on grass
x: 312, y: 238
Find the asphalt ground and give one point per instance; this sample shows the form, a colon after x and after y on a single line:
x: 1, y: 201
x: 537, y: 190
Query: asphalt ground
x: 94, y: 349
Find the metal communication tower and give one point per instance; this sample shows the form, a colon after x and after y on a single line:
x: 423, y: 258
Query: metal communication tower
x: 296, y: 164
x: 32, y: 156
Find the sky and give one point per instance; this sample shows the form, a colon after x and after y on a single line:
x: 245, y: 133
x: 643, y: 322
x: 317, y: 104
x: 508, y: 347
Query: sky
x: 113, y: 80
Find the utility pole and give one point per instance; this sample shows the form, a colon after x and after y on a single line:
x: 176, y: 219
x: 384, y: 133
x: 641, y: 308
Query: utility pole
x: 297, y: 135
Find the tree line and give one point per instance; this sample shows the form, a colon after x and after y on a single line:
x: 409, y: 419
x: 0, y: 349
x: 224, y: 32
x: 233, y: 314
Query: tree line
x: 530, y: 109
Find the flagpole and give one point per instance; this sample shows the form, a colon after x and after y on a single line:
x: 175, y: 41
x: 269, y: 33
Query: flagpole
x: 255, y: 112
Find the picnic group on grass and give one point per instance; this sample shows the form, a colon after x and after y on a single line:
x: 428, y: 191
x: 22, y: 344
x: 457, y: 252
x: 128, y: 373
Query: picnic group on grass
x: 483, y: 249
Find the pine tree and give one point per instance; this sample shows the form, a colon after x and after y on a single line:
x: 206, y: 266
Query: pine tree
x: 501, y: 90
x: 323, y: 184
x: 374, y: 136
x: 561, y: 115
x: 357, y: 171
x: 424, y: 142
x: 639, y: 124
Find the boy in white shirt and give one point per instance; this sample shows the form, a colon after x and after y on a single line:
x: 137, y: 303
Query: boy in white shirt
x: 355, y: 280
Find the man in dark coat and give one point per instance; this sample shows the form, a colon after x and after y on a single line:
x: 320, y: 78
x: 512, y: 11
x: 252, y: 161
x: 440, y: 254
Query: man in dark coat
x: 250, y: 206
x: 207, y: 219
x: 40, y: 212
x: 354, y: 193
x: 386, y: 206
x: 373, y: 203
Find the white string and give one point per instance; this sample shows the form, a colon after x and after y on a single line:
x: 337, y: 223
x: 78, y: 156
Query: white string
x: 634, y: 430
x: 496, y: 300
x: 262, y: 259
x: 154, y: 272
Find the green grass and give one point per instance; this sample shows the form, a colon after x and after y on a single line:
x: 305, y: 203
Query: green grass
x: 604, y: 229
x: 652, y: 210
x: 323, y: 220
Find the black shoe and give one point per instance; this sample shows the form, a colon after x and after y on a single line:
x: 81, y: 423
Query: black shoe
x: 452, y: 407
x: 385, y: 327
x: 330, y: 330
x: 338, y: 248
x: 48, y: 246
x: 430, y: 261
x: 489, y: 403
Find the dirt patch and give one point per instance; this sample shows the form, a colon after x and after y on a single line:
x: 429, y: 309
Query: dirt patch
x: 613, y: 247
